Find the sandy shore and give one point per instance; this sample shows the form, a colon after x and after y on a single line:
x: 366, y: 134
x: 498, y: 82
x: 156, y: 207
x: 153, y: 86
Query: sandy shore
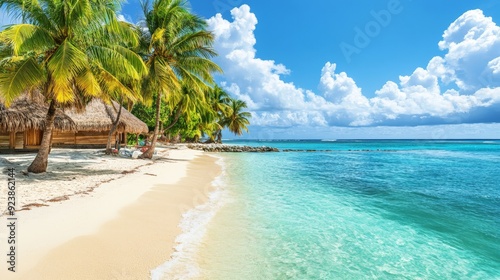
x: 122, y: 229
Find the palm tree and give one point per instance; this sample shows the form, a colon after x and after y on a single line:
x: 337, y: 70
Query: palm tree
x: 66, y: 50
x: 237, y: 121
x: 178, y: 47
x: 229, y: 114
x: 134, y: 84
x: 189, y: 101
x: 218, y: 100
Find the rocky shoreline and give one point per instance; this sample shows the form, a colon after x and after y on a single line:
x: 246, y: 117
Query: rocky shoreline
x: 222, y: 148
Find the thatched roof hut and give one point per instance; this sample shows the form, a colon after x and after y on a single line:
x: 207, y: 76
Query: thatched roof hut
x: 27, y: 114
x: 22, y: 124
x: 97, y: 117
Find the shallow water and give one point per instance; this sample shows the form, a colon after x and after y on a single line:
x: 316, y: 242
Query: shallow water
x: 360, y: 210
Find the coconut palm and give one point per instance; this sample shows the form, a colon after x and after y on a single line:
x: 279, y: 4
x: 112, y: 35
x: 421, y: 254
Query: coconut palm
x: 218, y: 100
x: 133, y: 84
x: 178, y: 47
x: 237, y: 120
x: 66, y: 50
x: 187, y: 102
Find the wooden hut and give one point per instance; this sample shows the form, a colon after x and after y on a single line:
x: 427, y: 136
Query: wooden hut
x: 95, y: 122
x: 22, y: 124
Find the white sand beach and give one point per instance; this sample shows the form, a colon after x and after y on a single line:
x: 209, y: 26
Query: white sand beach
x: 101, y: 217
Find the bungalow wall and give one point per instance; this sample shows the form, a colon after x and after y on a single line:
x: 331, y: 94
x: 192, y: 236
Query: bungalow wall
x: 11, y: 140
x: 31, y: 139
x: 5, y: 140
x: 19, y: 140
x: 85, y: 138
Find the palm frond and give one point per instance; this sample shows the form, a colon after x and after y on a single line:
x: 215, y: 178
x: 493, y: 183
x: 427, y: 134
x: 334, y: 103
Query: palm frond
x: 88, y: 83
x: 165, y: 75
x: 67, y: 62
x: 157, y: 38
x: 26, y: 37
x: 116, y: 61
x: 62, y: 91
x: 113, y: 86
x: 133, y: 60
x: 26, y: 74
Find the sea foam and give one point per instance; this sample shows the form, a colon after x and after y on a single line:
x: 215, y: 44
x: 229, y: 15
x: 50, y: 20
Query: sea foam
x: 183, y: 263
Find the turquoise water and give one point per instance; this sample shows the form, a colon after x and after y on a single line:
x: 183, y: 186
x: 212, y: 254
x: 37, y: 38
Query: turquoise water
x: 358, y: 210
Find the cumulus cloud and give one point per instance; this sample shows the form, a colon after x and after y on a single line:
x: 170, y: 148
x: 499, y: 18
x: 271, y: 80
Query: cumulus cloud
x: 124, y: 18
x: 469, y: 72
x: 472, y: 42
x: 350, y: 106
x: 258, y: 81
x: 494, y: 65
x: 471, y: 63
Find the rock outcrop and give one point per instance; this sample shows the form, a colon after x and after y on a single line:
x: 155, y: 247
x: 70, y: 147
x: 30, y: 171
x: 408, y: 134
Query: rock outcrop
x: 222, y: 148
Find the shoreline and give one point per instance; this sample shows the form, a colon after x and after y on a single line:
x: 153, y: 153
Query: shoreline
x: 184, y: 263
x: 123, y: 229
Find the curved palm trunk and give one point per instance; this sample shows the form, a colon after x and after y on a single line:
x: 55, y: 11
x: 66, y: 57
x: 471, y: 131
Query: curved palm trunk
x: 219, y: 136
x: 150, y: 151
x: 40, y: 163
x: 176, y: 119
x: 113, y: 126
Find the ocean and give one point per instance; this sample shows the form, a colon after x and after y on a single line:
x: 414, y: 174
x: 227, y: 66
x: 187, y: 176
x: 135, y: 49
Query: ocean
x: 351, y: 209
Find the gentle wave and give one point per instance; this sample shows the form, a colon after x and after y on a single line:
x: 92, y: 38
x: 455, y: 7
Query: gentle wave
x: 428, y: 211
x: 182, y: 264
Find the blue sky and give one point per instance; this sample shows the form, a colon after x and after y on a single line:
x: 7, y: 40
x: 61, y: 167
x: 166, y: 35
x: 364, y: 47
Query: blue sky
x: 304, y: 36
x: 359, y: 69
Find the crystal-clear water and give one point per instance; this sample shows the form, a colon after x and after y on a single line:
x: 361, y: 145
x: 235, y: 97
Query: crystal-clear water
x: 358, y: 210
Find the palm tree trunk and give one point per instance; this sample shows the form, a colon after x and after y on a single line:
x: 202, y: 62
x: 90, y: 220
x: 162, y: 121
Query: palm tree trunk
x: 149, y: 152
x: 39, y: 164
x: 113, y: 126
x: 219, y: 136
x: 176, y: 119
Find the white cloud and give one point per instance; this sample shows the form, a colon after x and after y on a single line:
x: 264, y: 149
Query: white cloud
x: 494, y: 65
x: 351, y: 107
x: 258, y: 81
x: 122, y: 17
x: 336, y: 87
x: 458, y: 131
x: 471, y: 42
x: 471, y: 65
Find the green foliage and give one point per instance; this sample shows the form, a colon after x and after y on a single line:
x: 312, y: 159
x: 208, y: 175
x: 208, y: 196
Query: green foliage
x: 147, y: 113
x: 177, y: 50
x: 229, y: 114
x: 132, y: 139
x: 236, y: 120
x: 68, y: 50
x: 188, y: 127
x: 74, y: 50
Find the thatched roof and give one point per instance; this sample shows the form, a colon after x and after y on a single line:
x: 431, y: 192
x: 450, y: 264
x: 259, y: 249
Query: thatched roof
x: 96, y: 117
x: 25, y: 113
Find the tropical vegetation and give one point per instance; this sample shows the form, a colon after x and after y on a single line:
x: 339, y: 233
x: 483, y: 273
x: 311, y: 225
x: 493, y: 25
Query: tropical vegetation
x: 71, y: 51
x: 177, y: 48
x: 194, y: 117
